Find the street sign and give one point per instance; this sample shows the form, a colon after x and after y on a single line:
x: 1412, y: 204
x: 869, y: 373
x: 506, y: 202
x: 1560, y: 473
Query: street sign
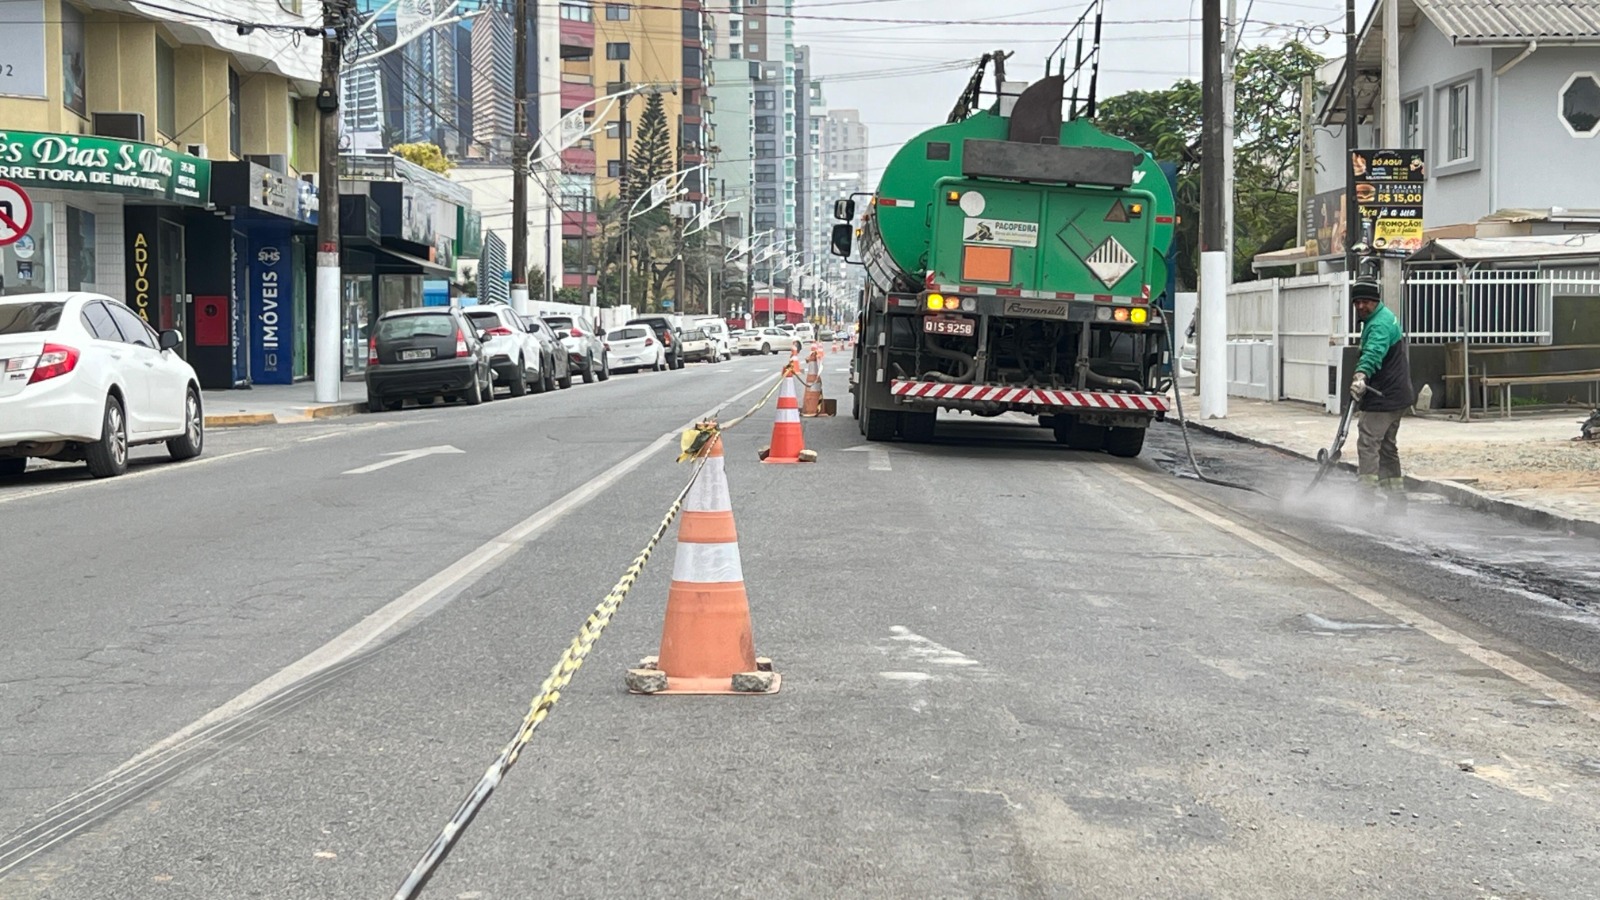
x: 16, y: 213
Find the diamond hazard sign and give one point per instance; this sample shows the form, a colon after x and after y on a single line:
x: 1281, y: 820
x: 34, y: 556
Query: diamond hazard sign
x: 16, y: 213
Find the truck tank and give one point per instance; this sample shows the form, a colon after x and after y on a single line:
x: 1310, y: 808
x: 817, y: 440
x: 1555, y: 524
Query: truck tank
x: 898, y: 234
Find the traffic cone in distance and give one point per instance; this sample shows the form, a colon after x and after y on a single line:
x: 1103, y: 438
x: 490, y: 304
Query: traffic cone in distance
x: 811, y: 400
x: 788, y: 442
x: 707, y: 646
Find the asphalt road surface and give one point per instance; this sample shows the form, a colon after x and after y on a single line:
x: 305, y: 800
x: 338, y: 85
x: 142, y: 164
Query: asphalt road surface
x: 1010, y: 670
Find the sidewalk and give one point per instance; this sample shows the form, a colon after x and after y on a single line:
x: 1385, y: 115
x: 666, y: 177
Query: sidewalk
x: 275, y: 404
x: 1529, y: 468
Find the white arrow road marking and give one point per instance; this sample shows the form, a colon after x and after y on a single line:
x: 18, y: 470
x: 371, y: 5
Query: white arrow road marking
x: 877, y: 457
x: 404, y: 456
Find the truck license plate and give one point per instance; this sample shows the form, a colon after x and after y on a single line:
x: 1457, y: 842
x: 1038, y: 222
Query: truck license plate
x: 949, y: 325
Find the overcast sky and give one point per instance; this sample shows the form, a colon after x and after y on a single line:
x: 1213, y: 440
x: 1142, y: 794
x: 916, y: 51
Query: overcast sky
x: 1147, y: 44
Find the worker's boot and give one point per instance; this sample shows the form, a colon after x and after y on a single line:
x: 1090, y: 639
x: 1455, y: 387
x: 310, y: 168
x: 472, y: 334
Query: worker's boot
x: 1394, y: 492
x: 1367, y: 491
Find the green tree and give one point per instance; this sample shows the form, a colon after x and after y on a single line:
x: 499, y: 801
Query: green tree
x: 651, y: 157
x: 1266, y: 150
x: 428, y: 156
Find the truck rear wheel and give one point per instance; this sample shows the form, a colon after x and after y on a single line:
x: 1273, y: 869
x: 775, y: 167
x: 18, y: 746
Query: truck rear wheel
x: 918, y: 427
x: 1125, y: 442
x: 878, y: 424
x: 1077, y: 435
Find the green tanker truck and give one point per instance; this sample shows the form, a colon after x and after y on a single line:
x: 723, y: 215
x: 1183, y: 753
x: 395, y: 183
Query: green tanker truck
x: 1011, y: 258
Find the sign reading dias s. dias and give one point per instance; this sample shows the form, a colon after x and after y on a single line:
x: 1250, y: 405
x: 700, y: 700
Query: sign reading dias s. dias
x: 1000, y: 231
x: 75, y: 162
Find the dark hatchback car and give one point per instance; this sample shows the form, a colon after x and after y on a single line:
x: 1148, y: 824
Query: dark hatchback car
x: 426, y: 353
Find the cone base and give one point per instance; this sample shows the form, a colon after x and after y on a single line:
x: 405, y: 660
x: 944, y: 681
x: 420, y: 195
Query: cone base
x: 705, y: 687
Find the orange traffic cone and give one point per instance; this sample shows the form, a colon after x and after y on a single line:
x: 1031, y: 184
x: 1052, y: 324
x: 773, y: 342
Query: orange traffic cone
x: 788, y: 442
x: 811, y: 400
x: 706, y: 642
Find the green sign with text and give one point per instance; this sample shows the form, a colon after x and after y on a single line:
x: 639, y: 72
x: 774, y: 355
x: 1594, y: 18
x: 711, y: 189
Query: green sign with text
x: 73, y: 162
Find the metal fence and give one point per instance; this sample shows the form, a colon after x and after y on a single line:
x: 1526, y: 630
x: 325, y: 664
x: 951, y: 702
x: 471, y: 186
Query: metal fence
x: 1489, y: 306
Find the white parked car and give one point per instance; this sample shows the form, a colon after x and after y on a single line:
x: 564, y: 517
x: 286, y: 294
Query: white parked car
x: 82, y: 377
x: 634, y: 347
x: 805, y: 331
x: 717, y: 329
x: 764, y: 340
x: 515, y: 353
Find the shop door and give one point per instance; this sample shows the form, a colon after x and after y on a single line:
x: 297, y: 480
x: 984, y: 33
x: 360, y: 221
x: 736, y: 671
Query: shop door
x: 174, y: 312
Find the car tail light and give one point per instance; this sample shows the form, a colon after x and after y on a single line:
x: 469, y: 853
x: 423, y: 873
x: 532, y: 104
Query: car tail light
x: 461, y: 344
x: 649, y: 342
x: 372, y: 351
x: 666, y: 338
x: 497, y: 331
x: 56, y: 360
x: 576, y: 332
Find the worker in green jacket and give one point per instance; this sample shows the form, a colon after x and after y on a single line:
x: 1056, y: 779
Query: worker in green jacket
x: 1384, y: 367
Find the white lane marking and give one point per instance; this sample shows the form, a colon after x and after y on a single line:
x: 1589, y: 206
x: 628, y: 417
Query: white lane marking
x: 930, y: 650
x: 1440, y: 632
x: 478, y: 562
x: 405, y: 456
x: 877, y: 457
x: 141, y: 472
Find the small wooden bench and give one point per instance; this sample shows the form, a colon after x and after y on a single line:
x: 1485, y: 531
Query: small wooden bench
x: 1506, y: 382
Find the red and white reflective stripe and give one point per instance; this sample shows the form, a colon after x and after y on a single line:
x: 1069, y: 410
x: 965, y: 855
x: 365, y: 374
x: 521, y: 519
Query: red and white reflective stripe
x: 889, y: 201
x: 930, y: 390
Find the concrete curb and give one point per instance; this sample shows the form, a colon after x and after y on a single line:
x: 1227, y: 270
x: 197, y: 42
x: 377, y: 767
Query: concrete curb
x: 1458, y: 494
x: 336, y: 410
x: 231, y: 420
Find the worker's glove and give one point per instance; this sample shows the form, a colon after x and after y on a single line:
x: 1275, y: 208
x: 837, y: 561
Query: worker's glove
x: 1358, y: 385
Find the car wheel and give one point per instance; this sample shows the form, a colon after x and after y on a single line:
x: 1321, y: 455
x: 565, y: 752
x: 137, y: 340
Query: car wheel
x: 588, y: 370
x: 474, y: 394
x: 488, y: 383
x: 605, y: 367
x: 193, y: 440
x: 549, y: 380
x: 374, y: 401
x: 12, y: 466
x: 538, y: 384
x: 519, y: 381
x: 566, y: 380
x: 108, y: 456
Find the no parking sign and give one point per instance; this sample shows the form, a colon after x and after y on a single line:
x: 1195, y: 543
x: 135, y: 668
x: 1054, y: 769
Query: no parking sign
x: 16, y: 213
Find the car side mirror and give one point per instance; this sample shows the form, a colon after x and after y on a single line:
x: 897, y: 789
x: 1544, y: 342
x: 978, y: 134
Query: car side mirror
x: 844, y: 210
x: 842, y: 240
x: 483, y: 336
x: 171, y: 339
x: 600, y: 332
x: 563, y: 335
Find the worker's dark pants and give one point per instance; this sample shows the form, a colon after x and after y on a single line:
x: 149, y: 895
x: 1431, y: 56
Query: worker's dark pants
x: 1380, y: 455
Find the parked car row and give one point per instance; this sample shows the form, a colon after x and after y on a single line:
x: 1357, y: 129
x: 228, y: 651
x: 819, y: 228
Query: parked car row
x: 84, y: 378
x: 464, y: 354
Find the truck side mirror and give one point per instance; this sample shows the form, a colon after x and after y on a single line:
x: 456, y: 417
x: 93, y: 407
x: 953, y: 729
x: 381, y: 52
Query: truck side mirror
x: 844, y: 210
x: 842, y: 239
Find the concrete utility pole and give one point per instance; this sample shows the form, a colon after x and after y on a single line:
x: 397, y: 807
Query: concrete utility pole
x: 1213, y: 373
x: 1352, y: 210
x: 1392, y: 287
x: 1230, y: 69
x: 622, y: 187
x: 327, y: 358
x: 519, y: 160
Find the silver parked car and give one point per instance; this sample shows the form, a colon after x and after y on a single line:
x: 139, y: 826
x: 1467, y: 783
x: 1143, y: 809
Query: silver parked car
x: 557, y: 364
x: 585, y: 349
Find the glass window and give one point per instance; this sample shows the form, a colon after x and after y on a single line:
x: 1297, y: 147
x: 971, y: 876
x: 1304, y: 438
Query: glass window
x: 577, y: 11
x: 133, y: 328
x: 97, y: 319
x: 28, y: 266
x: 1411, y: 123
x: 612, y: 129
x: 25, y: 318
x: 618, y: 12
x: 439, y: 324
x: 614, y: 168
x: 81, y: 260
x: 617, y: 50
x: 166, y: 90
x: 1580, y: 105
x: 1458, y: 123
